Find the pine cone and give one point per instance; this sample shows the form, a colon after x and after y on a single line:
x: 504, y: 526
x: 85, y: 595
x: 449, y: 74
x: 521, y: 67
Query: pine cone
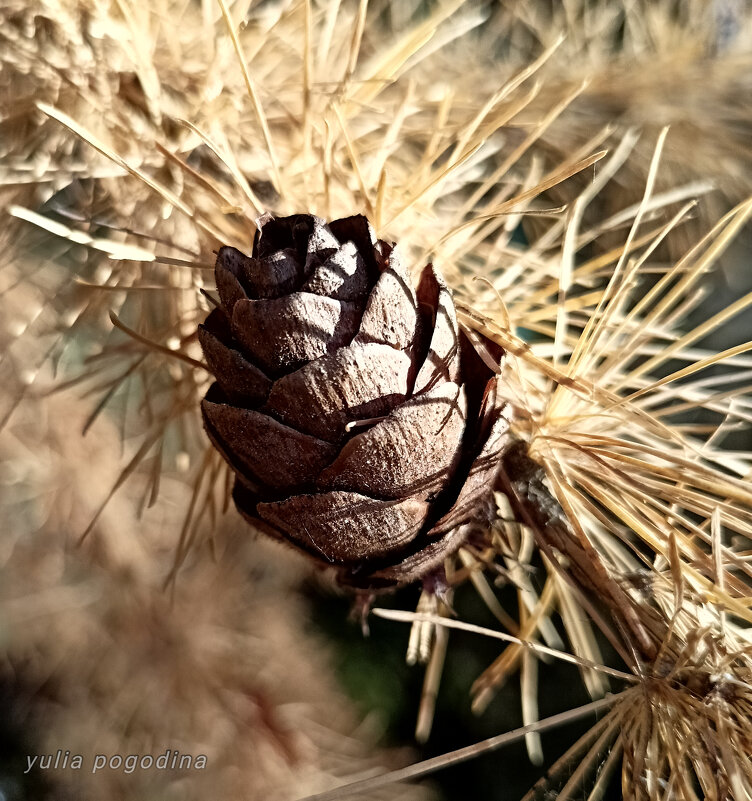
x: 360, y: 422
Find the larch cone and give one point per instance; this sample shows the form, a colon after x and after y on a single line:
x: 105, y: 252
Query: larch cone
x: 360, y: 422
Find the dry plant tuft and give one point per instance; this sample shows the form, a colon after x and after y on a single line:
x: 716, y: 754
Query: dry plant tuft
x: 142, y: 139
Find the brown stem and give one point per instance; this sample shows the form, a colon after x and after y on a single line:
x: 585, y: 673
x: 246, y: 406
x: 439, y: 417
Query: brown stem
x: 522, y: 481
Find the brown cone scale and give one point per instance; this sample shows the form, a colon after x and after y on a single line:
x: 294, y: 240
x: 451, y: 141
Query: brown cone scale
x: 362, y: 426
